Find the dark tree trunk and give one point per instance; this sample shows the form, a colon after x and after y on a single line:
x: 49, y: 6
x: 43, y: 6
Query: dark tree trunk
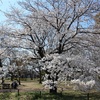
x: 40, y: 75
x: 0, y: 63
x: 19, y: 76
x: 87, y: 96
x: 53, y: 90
x: 60, y: 48
x: 41, y: 52
x: 19, y: 81
x: 31, y: 76
x: 2, y: 80
x: 12, y: 77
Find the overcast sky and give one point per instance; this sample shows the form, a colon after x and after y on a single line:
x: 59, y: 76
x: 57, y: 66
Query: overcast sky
x: 5, y: 6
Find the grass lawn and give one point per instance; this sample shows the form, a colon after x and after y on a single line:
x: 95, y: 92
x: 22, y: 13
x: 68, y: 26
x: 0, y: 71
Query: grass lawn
x: 32, y: 90
x: 36, y: 95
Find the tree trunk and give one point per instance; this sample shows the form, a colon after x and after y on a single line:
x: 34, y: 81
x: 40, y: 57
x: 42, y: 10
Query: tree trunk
x: 19, y: 81
x: 41, y: 52
x: 87, y: 96
x: 40, y: 75
x: 19, y: 76
x: 31, y: 76
x: 2, y: 80
x: 1, y: 63
x: 53, y: 90
x: 12, y: 77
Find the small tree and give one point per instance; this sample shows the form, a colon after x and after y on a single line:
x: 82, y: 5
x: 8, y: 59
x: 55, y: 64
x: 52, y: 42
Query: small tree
x: 57, y: 69
x: 84, y: 85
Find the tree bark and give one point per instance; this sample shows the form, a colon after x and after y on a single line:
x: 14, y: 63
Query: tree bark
x: 53, y: 90
x: 87, y: 96
x: 0, y: 63
x: 40, y: 75
x: 19, y: 76
x: 12, y: 77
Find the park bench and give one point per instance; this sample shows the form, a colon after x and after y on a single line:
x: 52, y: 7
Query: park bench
x: 6, y: 86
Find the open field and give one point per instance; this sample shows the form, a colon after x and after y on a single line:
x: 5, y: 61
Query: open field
x: 32, y: 90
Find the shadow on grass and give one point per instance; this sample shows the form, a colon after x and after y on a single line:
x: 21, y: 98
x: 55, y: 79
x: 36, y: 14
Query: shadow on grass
x: 58, y: 96
x: 42, y: 96
x: 38, y: 95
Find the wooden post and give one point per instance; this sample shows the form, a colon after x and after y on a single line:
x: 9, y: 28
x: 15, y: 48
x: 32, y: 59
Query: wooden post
x: 40, y: 94
x: 18, y: 92
x: 87, y: 96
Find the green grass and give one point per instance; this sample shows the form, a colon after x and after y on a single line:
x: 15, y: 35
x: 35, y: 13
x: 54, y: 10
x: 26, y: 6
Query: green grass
x: 47, y: 96
x: 64, y: 96
x: 5, y: 96
x: 33, y: 92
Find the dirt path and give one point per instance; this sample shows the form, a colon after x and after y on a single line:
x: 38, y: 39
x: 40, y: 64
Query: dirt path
x: 30, y: 86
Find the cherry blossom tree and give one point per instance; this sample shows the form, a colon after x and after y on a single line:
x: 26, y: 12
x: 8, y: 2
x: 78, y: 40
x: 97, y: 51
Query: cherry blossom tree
x: 51, y: 26
x: 53, y: 31
x: 78, y: 69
